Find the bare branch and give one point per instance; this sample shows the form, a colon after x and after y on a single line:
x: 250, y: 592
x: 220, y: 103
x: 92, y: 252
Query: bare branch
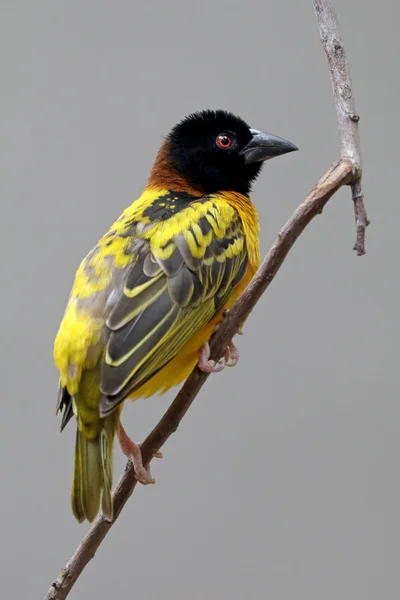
x: 347, y: 116
x: 313, y: 205
x: 346, y: 172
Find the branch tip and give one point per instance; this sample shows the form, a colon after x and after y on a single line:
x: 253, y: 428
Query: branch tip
x: 347, y: 116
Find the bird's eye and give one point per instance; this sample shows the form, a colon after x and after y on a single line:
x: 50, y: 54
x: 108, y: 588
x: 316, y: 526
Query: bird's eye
x: 224, y: 141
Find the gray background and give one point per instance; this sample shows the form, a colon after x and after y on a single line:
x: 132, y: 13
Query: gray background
x: 283, y: 481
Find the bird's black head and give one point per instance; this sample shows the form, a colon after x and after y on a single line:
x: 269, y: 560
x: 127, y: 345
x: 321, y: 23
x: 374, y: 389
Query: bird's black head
x: 217, y: 151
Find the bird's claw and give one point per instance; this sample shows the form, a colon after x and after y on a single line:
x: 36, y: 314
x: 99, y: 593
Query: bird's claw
x: 229, y: 359
x: 206, y: 364
x: 231, y: 356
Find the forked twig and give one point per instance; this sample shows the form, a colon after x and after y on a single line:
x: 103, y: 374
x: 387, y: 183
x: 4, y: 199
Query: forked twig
x: 347, y: 115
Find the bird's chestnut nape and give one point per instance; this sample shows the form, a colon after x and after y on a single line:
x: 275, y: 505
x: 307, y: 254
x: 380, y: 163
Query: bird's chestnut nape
x: 218, y: 151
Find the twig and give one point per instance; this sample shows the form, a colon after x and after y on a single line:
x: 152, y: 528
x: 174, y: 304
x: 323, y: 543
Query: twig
x: 346, y: 172
x: 337, y: 176
x: 347, y: 116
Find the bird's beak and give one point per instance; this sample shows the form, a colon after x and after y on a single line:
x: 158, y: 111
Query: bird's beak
x: 263, y: 146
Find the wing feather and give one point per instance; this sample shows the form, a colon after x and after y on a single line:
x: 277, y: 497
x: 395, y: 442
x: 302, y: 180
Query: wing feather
x: 170, y: 293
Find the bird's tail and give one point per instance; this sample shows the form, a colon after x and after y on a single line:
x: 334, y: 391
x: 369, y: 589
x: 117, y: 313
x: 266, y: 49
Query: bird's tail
x: 92, y: 480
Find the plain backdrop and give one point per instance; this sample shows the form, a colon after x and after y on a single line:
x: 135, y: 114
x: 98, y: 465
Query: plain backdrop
x: 283, y: 480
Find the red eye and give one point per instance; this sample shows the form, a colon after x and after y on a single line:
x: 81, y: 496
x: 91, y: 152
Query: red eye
x: 224, y: 141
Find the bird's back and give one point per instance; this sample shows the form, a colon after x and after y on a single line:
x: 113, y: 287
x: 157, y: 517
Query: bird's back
x: 164, y: 270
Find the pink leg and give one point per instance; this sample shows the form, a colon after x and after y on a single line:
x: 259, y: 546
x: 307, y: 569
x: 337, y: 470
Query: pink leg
x: 134, y: 453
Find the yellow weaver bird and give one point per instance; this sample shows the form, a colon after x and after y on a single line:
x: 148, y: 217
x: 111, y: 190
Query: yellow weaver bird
x: 148, y: 296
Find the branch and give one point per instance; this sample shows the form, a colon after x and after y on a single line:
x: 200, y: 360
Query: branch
x: 346, y: 172
x: 338, y: 175
x: 347, y: 116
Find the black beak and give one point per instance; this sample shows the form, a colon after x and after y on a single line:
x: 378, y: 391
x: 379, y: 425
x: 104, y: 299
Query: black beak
x: 263, y: 146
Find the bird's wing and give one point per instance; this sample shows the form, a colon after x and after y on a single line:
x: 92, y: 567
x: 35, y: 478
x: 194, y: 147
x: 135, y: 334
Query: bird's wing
x: 182, y: 277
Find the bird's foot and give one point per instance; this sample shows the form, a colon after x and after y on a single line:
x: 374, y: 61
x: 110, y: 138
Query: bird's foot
x: 134, y: 453
x: 206, y: 364
x: 231, y: 356
x: 229, y: 359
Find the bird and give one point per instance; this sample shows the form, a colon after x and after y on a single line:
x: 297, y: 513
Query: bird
x: 147, y: 298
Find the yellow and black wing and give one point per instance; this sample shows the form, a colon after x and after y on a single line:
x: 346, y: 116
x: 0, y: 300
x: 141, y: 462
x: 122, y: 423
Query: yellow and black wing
x: 185, y: 270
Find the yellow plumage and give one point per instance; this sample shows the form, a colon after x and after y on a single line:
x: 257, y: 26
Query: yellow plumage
x: 144, y: 301
x: 148, y: 296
